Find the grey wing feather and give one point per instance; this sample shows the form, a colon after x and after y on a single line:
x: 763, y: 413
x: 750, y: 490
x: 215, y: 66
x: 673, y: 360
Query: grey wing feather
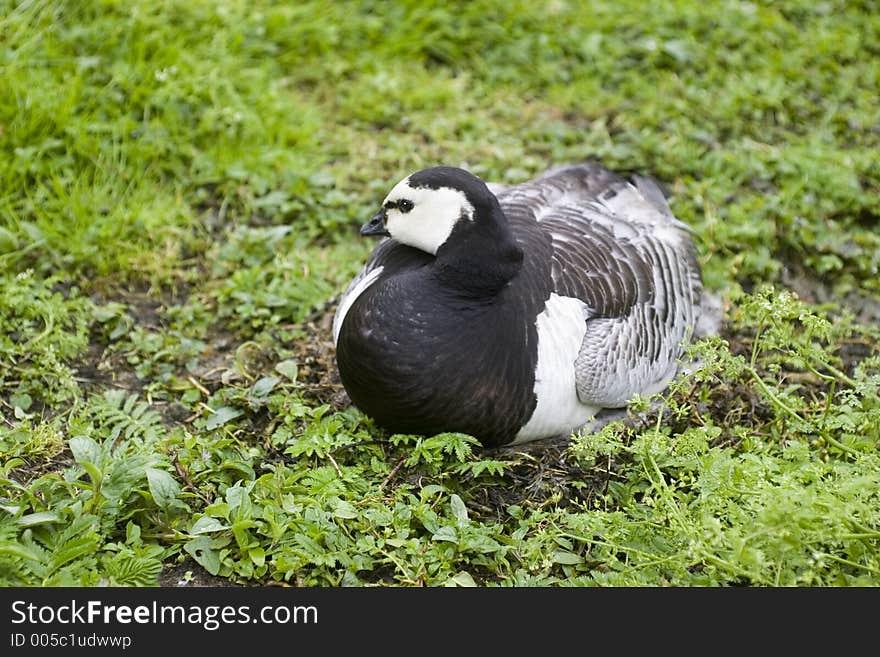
x: 618, y: 248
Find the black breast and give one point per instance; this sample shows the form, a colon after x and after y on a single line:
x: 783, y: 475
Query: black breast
x: 419, y: 358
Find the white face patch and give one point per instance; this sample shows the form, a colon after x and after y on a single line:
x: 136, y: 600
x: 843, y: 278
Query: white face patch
x: 433, y: 215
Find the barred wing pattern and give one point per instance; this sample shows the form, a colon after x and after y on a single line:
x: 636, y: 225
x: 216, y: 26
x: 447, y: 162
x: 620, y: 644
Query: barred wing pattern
x: 617, y: 248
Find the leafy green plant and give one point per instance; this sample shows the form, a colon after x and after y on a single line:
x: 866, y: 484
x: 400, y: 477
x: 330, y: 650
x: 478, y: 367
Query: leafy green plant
x: 787, y: 497
x: 41, y: 332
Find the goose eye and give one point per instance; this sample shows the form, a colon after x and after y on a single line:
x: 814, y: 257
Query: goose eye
x: 405, y: 205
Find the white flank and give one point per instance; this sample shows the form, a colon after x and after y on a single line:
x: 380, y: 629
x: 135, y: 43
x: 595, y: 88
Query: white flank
x: 350, y: 297
x: 435, y: 212
x: 561, y: 328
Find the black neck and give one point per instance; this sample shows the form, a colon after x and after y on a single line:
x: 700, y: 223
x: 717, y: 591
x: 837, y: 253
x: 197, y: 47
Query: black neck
x: 480, y: 257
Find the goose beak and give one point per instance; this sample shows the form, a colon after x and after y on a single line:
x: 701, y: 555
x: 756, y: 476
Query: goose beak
x: 376, y: 225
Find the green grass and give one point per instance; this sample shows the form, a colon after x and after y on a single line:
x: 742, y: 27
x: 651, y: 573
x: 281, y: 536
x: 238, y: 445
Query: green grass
x: 180, y: 186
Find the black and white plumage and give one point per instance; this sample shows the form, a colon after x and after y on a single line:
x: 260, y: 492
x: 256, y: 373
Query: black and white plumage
x: 518, y: 312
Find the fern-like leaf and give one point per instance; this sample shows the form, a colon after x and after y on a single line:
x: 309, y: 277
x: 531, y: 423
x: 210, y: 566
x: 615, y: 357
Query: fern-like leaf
x: 126, y: 568
x: 121, y: 415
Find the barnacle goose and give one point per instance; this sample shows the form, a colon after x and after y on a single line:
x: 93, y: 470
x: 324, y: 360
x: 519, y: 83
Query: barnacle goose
x: 515, y: 313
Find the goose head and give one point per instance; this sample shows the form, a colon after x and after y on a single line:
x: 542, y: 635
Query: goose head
x: 443, y: 211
